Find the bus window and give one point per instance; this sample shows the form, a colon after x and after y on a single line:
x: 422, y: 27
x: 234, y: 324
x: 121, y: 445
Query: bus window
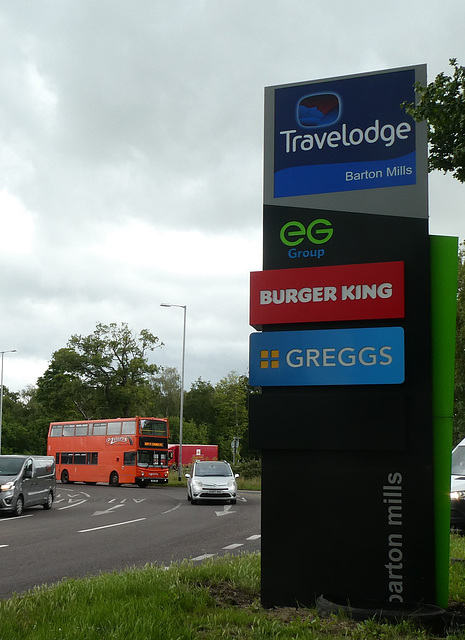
x: 99, y: 429
x: 66, y: 458
x: 129, y: 427
x: 129, y: 458
x: 79, y: 458
x: 81, y: 429
x: 56, y: 431
x: 145, y: 458
x: 92, y: 457
x: 114, y: 428
x: 68, y: 430
x: 153, y: 428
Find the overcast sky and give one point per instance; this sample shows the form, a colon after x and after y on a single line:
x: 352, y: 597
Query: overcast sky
x: 131, y: 145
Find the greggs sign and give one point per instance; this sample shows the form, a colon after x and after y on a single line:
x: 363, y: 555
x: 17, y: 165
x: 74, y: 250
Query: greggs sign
x: 321, y: 294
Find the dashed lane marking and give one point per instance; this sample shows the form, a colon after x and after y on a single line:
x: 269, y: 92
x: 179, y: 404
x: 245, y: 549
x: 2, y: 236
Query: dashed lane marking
x: 74, y: 504
x: 108, y: 526
x: 230, y: 547
x: 205, y: 556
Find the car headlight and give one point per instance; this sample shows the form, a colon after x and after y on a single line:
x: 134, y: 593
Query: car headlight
x: 232, y: 484
x: 196, y: 485
x: 457, y: 495
x: 7, y: 486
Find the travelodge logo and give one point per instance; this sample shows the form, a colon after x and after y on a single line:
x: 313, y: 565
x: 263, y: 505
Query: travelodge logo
x: 327, y: 357
x: 344, y: 134
x: 318, y: 110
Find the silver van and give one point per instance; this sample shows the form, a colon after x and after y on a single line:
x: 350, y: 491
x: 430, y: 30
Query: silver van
x: 26, y: 481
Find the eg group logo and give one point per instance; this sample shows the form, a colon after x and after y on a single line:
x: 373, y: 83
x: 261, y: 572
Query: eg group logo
x: 327, y: 357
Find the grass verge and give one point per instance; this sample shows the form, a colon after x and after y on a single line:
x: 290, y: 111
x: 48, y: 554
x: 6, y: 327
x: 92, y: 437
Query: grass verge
x: 216, y: 599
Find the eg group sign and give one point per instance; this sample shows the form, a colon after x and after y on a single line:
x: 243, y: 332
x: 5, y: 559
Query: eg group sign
x: 327, y: 357
x: 344, y: 134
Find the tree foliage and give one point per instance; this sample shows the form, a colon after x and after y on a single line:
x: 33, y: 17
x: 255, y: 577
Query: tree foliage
x: 442, y: 104
x: 105, y: 374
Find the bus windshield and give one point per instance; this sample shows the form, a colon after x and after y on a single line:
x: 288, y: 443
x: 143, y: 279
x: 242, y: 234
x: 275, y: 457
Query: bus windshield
x: 458, y: 461
x: 148, y: 458
x: 153, y: 428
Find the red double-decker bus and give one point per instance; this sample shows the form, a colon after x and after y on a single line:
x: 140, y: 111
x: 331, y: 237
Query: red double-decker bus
x: 116, y: 451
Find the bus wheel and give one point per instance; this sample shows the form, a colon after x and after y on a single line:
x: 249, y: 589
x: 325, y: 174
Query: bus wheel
x: 142, y: 483
x: 65, y: 477
x: 114, y: 479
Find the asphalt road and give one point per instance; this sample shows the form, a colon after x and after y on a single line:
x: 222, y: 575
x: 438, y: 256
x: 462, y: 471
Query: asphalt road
x: 100, y: 528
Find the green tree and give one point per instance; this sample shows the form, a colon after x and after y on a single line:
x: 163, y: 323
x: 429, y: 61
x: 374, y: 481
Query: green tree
x: 231, y: 404
x: 105, y: 374
x: 167, y: 389
x: 442, y: 104
x: 24, y: 429
x: 199, y: 404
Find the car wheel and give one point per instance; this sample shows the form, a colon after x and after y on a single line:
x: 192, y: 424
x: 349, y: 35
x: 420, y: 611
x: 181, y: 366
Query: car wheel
x: 19, y: 506
x: 114, y: 479
x: 65, y: 477
x: 193, y: 501
x: 48, y: 504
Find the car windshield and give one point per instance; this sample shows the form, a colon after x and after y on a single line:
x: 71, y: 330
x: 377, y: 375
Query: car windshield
x: 458, y: 462
x: 212, y: 469
x: 10, y: 466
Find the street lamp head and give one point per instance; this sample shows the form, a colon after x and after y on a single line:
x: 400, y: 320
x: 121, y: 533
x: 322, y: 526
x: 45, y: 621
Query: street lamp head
x: 181, y: 306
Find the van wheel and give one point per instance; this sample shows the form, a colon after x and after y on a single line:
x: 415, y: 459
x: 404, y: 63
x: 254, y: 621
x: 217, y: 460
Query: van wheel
x: 48, y: 504
x: 19, y: 506
x: 114, y: 479
x: 65, y: 477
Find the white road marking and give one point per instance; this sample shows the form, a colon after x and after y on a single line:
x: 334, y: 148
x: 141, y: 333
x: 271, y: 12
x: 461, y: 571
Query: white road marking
x: 205, y: 556
x: 109, y: 510
x: 2, y: 546
x: 230, y: 547
x: 170, y: 510
x: 75, y: 504
x: 137, y: 500
x: 28, y: 515
x: 108, y: 526
x: 255, y: 537
x: 226, y: 510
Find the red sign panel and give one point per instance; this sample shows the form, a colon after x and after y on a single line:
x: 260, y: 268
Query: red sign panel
x: 322, y: 294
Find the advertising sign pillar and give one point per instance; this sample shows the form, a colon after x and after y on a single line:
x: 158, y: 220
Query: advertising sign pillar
x: 343, y: 349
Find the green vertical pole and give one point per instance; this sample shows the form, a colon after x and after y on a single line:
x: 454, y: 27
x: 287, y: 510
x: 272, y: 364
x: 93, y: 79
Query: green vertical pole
x: 443, y: 317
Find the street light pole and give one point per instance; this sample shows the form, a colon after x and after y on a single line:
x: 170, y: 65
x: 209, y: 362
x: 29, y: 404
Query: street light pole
x: 1, y: 394
x: 181, y: 409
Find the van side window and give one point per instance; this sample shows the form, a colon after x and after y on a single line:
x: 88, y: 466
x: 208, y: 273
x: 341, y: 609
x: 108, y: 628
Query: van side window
x: 28, y: 468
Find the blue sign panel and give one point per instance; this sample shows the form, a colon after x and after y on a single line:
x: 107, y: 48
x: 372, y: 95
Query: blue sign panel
x: 344, y: 135
x: 327, y: 357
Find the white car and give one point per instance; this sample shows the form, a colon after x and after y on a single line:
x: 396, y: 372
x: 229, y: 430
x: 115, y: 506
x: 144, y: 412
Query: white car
x: 211, y: 480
